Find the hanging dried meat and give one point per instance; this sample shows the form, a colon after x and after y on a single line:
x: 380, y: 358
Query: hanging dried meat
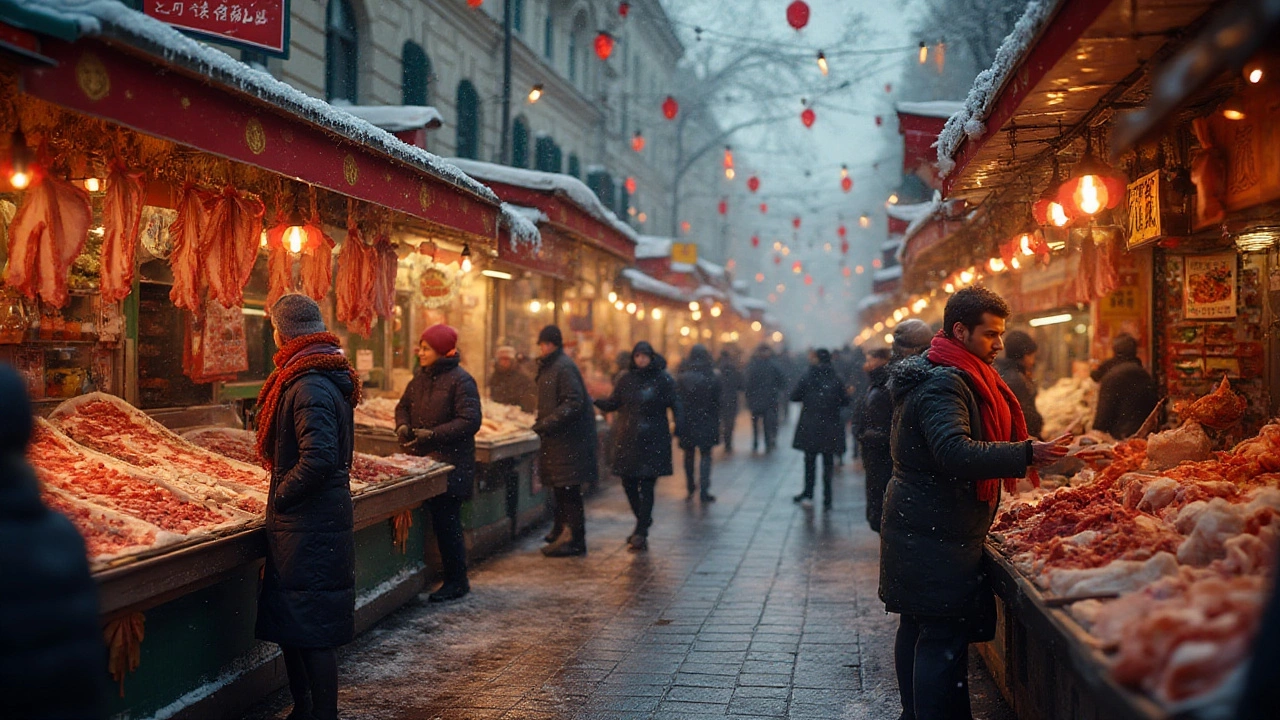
x: 230, y: 244
x: 317, y: 263
x: 279, y: 267
x: 355, y: 282
x: 384, y: 283
x: 45, y: 237
x: 121, y: 217
x: 185, y: 261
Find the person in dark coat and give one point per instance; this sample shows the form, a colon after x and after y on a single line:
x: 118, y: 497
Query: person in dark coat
x: 731, y: 383
x: 52, y: 659
x: 958, y: 436
x: 1015, y: 369
x: 1261, y: 693
x: 822, y: 395
x: 438, y: 416
x: 305, y: 438
x: 642, y: 433
x: 874, y: 426
x: 509, y: 384
x: 700, y: 393
x: 765, y: 382
x: 566, y: 426
x: 1127, y: 393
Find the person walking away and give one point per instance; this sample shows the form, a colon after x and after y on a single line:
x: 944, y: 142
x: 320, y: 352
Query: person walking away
x: 875, y: 424
x: 1127, y: 393
x: 731, y: 384
x: 700, y: 393
x: 566, y: 426
x: 821, y: 394
x: 305, y: 437
x: 1015, y: 369
x: 858, y: 386
x: 959, y: 435
x: 438, y: 416
x: 52, y: 659
x: 642, y: 434
x: 510, y: 385
x: 764, y: 383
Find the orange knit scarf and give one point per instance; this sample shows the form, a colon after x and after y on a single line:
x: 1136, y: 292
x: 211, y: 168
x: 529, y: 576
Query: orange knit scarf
x: 289, y: 367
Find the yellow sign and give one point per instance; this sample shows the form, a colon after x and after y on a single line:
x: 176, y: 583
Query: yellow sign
x: 686, y: 253
x: 1144, y: 210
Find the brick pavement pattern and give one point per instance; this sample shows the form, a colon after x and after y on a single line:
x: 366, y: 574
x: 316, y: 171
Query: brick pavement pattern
x: 748, y: 607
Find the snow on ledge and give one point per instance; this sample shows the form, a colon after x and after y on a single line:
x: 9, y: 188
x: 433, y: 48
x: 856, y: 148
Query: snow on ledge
x: 653, y: 286
x: 650, y: 247
x: 711, y: 269
x: 931, y: 108
x: 911, y: 212
x: 395, y: 118
x: 521, y: 222
x: 887, y: 274
x: 870, y: 301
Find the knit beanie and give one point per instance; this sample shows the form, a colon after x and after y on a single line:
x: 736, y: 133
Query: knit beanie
x: 1018, y: 345
x: 442, y: 338
x: 823, y: 355
x: 551, y: 334
x: 295, y: 315
x: 911, y: 336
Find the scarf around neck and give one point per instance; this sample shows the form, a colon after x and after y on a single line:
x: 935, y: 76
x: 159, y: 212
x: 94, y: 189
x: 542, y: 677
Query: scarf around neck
x: 299, y: 356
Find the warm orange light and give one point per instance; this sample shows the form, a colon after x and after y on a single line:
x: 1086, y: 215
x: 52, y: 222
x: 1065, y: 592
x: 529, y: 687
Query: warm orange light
x: 864, y: 221
x: 1232, y: 114
x: 1255, y: 75
x: 996, y: 265
x: 924, y: 53
x: 1025, y: 244
x: 822, y: 64
x: 759, y: 277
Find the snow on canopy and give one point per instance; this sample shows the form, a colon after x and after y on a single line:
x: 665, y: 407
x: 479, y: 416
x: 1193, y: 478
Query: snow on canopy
x: 650, y: 247
x: 709, y: 291
x: 566, y: 186
x: 653, y: 286
x: 911, y: 212
x: 113, y: 20
x: 751, y: 303
x: 521, y: 222
x: 711, y: 269
x: 969, y: 122
x: 395, y: 118
x: 931, y: 108
x: 870, y: 301
x: 887, y: 274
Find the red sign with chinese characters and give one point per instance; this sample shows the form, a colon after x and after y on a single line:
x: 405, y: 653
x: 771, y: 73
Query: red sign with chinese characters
x: 261, y: 25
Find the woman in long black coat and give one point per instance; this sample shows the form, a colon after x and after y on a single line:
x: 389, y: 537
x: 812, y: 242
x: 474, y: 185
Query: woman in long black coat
x: 700, y: 394
x: 641, y: 432
x: 819, y: 432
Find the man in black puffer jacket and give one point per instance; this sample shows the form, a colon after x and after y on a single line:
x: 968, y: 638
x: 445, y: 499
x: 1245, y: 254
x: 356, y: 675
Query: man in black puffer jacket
x: 439, y: 416
x: 1126, y: 391
x: 875, y: 424
x: 52, y: 660
x: 765, y: 382
x: 700, y: 397
x: 567, y: 427
x: 819, y: 432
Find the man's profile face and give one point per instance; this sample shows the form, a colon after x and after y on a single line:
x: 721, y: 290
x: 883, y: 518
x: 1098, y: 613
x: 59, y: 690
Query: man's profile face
x: 505, y: 363
x: 546, y: 348
x: 985, y: 340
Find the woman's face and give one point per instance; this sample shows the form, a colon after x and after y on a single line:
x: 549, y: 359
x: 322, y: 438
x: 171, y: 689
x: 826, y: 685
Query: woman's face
x: 426, y: 355
x: 641, y: 360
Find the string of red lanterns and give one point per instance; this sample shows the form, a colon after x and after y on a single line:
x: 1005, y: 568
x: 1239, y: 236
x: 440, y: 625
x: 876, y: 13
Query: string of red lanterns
x: 637, y: 141
x: 798, y: 14
x: 670, y: 108
x: 604, y: 44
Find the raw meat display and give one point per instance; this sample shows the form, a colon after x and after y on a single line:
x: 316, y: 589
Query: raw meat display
x: 185, y: 260
x: 1171, y: 447
x: 46, y: 235
x: 503, y: 423
x: 1068, y: 405
x: 279, y: 267
x: 107, y: 535
x: 121, y: 218
x: 356, y: 281
x: 113, y: 427
x: 229, y: 244
x: 1219, y: 409
x: 377, y: 412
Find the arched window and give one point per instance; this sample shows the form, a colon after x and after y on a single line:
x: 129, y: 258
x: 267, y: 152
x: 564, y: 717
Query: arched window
x: 517, y: 15
x: 341, y: 52
x: 549, y: 36
x: 575, y: 166
x: 520, y: 143
x: 573, y: 56
x: 415, y: 75
x: 468, y: 145
x: 547, y: 155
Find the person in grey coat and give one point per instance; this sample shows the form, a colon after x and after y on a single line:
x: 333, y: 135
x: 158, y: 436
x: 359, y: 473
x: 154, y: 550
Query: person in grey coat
x: 700, y: 396
x: 566, y: 425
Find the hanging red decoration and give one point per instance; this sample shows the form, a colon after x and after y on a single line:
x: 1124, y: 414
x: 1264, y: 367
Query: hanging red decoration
x: 624, y: 8
x: 795, y: 222
x: 753, y: 183
x: 879, y: 121
x: 846, y: 271
x: 798, y: 14
x: 637, y: 142
x: 755, y: 241
x: 808, y: 279
x: 764, y: 208
x: 474, y: 3
x: 604, y: 45
x: 1093, y: 187
x: 842, y: 231
x: 797, y: 267
x: 723, y: 207
x: 777, y: 259
x: 759, y: 277
x: 630, y: 185
x: 808, y: 117
x: 844, y: 247
x: 685, y: 227
x: 670, y: 107
x: 888, y: 87
x: 846, y: 184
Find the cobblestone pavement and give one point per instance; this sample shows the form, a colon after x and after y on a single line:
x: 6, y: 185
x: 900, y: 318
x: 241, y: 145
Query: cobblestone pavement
x: 747, y: 607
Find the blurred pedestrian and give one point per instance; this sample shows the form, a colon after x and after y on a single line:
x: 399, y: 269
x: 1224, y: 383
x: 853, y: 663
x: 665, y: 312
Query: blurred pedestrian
x: 642, y: 433
x: 1127, y: 393
x: 819, y: 433
x: 438, y: 416
x: 1015, y: 369
x: 566, y: 426
x: 52, y: 660
x: 700, y: 392
x: 508, y: 382
x: 874, y: 428
x: 731, y: 383
x: 765, y: 382
x: 305, y: 438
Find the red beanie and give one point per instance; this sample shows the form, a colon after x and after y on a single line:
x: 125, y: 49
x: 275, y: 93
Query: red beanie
x: 442, y: 338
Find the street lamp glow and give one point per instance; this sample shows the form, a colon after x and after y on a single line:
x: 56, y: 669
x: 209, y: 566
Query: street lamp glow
x: 694, y: 306
x: 696, y: 315
x: 715, y: 311
x: 535, y: 94
x: 755, y: 325
x: 777, y: 336
x: 631, y: 308
x: 685, y: 331
x: 657, y: 313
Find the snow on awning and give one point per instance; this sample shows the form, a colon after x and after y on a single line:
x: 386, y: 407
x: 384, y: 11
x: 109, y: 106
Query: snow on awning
x: 892, y: 244
x: 708, y: 291
x: 644, y: 283
x: 396, y: 118
x: 650, y: 247
x: 912, y: 211
x: 931, y: 109
x: 686, y: 268
x: 870, y: 301
x: 887, y: 274
x: 521, y: 224
x: 740, y: 285
x: 716, y: 272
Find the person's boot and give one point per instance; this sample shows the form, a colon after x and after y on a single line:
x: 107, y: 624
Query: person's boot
x: 637, y: 543
x: 566, y: 548
x: 553, y: 534
x: 299, y: 714
x: 708, y: 497
x: 802, y: 497
x: 450, y: 591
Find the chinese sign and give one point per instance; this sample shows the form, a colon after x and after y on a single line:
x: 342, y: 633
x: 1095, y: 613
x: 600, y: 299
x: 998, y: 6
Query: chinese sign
x: 261, y: 25
x: 1209, y: 287
x: 1238, y: 164
x: 686, y: 253
x: 1144, y: 209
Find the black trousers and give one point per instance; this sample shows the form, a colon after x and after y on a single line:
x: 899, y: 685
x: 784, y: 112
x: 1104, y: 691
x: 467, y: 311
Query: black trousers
x: 446, y: 520
x: 931, y: 656
x: 570, y: 513
x: 728, y: 418
x: 640, y: 495
x: 810, y: 461
x: 704, y: 469
x: 768, y: 422
x: 313, y: 681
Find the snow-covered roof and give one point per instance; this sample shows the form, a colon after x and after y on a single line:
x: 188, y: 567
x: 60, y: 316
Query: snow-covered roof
x: 752, y: 303
x: 566, y: 186
x: 935, y: 205
x: 892, y: 244
x: 887, y: 274
x: 911, y: 211
x: 677, y: 267
x: 970, y: 121
x: 649, y: 247
x: 740, y: 285
x: 710, y: 268
x: 870, y: 301
x: 113, y: 20
x: 396, y: 118
x: 653, y: 286
x: 931, y: 108
x: 704, y: 291
x: 520, y: 221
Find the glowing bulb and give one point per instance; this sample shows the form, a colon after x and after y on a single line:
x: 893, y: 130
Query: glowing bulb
x: 893, y: 198
x: 619, y: 305
x: 897, y: 315
x: 657, y: 313
x: 640, y: 314
x: 890, y: 322
x: 755, y: 325
x: 1025, y: 243
x: 1058, y: 215
x: 295, y: 236
x: 864, y: 221
x: 859, y: 269
x: 631, y: 308
x: 535, y: 306
x: 92, y: 184
x: 950, y: 288
x: 696, y: 315
x: 1013, y: 263
x: 822, y: 64
x: 684, y: 330
x: 613, y: 297
x: 728, y: 173
x: 466, y: 264
x: 1090, y: 203
x: 878, y: 327
x: 924, y: 53
x: 996, y: 265
x: 535, y: 94
x: 715, y: 311
x: 262, y: 239
x: 1255, y: 76
x: 20, y: 179
x: 781, y: 288
x: 694, y: 306
x: 566, y: 307
x: 966, y: 277
x: 777, y: 336
x: 888, y: 338
x: 1232, y: 114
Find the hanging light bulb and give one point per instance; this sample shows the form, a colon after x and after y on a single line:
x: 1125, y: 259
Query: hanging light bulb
x: 631, y: 308
x: 694, y: 306
x: 613, y: 297
x: 262, y: 238
x: 696, y: 315
x: 1047, y: 210
x: 657, y: 313
x: 535, y: 306
x: 966, y: 276
x: 637, y: 141
x: 893, y: 198
x: 1015, y: 264
x: 92, y: 184
x: 1093, y: 186
x: 822, y: 63
x: 864, y: 221
x: 295, y: 235
x: 996, y: 265
x: 924, y: 52
x: 716, y: 311
x: 729, y: 173
x: 466, y: 258
x: 535, y: 93
x: 20, y: 172
x: 1026, y: 243
x: 619, y: 305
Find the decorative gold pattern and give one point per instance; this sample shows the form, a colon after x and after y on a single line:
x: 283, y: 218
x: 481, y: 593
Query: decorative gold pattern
x: 425, y: 199
x: 92, y: 76
x: 185, y: 102
x: 349, y: 169
x: 255, y: 137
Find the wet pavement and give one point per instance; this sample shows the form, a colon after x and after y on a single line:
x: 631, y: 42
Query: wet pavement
x: 747, y: 607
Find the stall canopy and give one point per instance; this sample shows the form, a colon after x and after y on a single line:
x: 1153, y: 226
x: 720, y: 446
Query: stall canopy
x: 658, y: 290
x: 409, y: 123
x: 122, y: 66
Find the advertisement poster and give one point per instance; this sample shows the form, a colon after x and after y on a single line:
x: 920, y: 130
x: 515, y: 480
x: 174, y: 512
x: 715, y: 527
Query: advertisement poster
x: 261, y: 25
x: 1209, y: 287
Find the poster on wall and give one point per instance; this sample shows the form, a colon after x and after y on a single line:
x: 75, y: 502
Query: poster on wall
x: 1209, y: 287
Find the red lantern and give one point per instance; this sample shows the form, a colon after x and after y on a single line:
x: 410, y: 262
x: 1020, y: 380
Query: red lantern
x: 755, y: 241
x: 723, y: 207
x: 846, y: 271
x: 670, y: 107
x: 807, y: 117
x: 1093, y: 187
x: 604, y: 45
x: 879, y: 121
x: 795, y: 222
x: 808, y: 279
x: 753, y: 183
x: 888, y: 88
x: 630, y: 185
x: 624, y: 8
x: 637, y: 142
x: 844, y: 247
x: 759, y: 277
x: 764, y: 208
x: 797, y: 267
x: 474, y: 3
x: 846, y: 184
x: 798, y: 14
x: 842, y: 231
x: 777, y: 259
x: 1047, y: 211
x: 876, y: 263
x: 685, y: 227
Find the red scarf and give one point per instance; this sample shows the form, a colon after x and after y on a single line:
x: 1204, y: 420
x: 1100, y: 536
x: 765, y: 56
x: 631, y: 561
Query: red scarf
x: 317, y: 351
x: 1002, y: 418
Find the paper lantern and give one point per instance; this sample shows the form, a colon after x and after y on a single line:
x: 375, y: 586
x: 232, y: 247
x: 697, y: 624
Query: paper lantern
x: 755, y: 241
x: 759, y: 277
x: 1093, y: 187
x: 604, y: 45
x: 1047, y: 211
x: 685, y: 227
x: 879, y: 121
x: 753, y: 183
x: 842, y: 231
x: 637, y: 142
x: 846, y: 184
x: 798, y: 14
x: 844, y: 247
x: 797, y: 267
x: 723, y: 207
x: 630, y: 185
x: 474, y: 3
x: 846, y: 271
x: 808, y: 279
x: 795, y: 222
x: 808, y: 117
x: 624, y: 9
x: 670, y: 107
x: 764, y: 208
x: 777, y: 259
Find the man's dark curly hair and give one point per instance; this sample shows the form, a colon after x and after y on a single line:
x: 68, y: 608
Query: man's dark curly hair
x: 969, y: 305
